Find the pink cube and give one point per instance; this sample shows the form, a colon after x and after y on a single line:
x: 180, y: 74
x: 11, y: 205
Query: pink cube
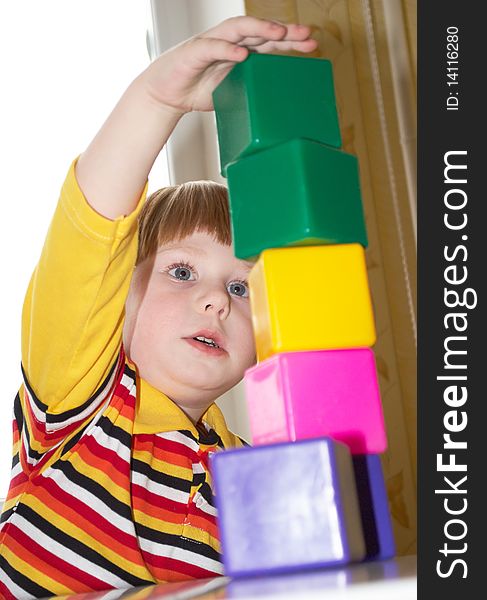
x: 298, y: 395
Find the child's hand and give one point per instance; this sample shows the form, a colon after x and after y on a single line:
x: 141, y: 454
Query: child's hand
x: 183, y: 78
x: 114, y: 168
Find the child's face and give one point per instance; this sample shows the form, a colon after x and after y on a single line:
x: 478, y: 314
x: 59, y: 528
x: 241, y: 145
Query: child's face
x: 194, y: 287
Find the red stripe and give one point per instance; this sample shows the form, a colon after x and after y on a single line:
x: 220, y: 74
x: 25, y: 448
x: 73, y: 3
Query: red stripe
x: 53, y: 562
x: 144, y: 496
x: 16, y: 486
x: 194, y: 510
x: 199, y: 522
x: 127, y: 409
x: 122, y: 392
x: 15, y: 432
x: 77, y: 507
x: 165, y: 564
x: 18, y: 480
x: 88, y: 459
x: 4, y: 593
x: 148, y: 445
x: 204, y: 457
x: 38, y: 430
x: 52, y: 437
x: 168, y: 445
x: 109, y: 456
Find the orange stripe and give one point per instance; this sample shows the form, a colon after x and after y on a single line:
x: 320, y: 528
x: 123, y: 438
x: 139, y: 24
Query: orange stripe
x: 164, y: 455
x: 127, y: 411
x: 26, y: 555
x: 168, y: 576
x: 204, y: 524
x: 157, y: 513
x: 87, y: 526
x: 85, y: 454
x: 17, y: 489
x: 15, y: 434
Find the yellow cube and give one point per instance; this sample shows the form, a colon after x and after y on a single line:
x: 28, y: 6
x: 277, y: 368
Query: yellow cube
x: 311, y: 298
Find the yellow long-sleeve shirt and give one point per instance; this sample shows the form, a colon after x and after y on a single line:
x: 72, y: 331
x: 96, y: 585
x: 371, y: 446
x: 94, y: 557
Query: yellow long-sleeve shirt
x: 110, y: 484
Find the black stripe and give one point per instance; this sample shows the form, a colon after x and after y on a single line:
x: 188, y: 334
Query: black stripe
x: 76, y: 546
x: 199, y: 478
x: 15, y: 460
x: 108, y: 427
x: 205, y: 491
x: 40, y: 405
x: 6, y: 515
x: 189, y: 435
x: 130, y: 373
x: 94, y: 488
x: 177, y: 541
x: 209, y: 438
x: 31, y: 453
x: 115, y: 431
x: 173, y: 482
x: 64, y: 416
x: 22, y: 581
x: 18, y: 414
x: 74, y: 440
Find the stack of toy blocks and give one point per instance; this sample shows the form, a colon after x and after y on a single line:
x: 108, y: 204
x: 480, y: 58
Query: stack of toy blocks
x: 310, y: 492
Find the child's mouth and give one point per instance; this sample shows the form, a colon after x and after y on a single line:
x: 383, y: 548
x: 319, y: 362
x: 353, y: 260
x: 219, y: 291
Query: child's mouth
x: 208, y: 341
x: 208, y: 347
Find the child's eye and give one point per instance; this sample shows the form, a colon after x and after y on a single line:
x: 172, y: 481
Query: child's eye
x: 239, y: 288
x: 182, y: 271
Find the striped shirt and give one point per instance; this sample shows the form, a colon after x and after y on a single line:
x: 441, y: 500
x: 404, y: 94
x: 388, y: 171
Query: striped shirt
x: 110, y: 486
x: 95, y: 503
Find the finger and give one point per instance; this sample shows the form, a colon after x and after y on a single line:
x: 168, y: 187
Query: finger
x: 297, y: 32
x: 306, y: 46
x: 253, y: 41
x: 206, y: 51
x: 237, y: 29
x: 293, y: 32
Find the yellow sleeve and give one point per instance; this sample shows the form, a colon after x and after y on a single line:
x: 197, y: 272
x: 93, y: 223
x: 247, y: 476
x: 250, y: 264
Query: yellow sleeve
x: 74, y: 307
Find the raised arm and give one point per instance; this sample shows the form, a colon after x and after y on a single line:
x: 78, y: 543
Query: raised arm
x: 114, y: 168
x: 74, y: 308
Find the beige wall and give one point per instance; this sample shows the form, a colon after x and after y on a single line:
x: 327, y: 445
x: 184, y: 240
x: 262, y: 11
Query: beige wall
x: 372, y: 46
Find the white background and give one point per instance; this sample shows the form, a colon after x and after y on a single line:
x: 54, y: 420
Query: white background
x: 63, y: 66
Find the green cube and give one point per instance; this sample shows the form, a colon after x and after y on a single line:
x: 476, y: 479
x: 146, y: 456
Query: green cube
x: 269, y: 99
x: 295, y: 194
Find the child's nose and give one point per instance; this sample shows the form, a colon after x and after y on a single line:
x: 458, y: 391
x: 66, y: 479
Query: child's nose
x: 215, y: 301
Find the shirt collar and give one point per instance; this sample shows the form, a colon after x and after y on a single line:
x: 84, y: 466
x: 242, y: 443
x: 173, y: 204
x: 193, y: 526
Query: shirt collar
x: 157, y: 413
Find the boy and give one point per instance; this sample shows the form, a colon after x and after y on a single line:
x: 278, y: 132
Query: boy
x: 115, y: 420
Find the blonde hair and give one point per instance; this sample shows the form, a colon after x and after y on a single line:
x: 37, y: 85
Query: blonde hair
x: 176, y: 211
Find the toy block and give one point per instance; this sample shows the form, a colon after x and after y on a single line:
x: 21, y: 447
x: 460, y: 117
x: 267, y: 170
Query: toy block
x: 298, y: 395
x: 311, y: 298
x: 287, y: 507
x: 374, y: 507
x: 268, y: 99
x: 297, y: 193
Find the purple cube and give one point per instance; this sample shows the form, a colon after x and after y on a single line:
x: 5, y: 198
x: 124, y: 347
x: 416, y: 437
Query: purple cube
x: 287, y: 507
x: 374, y: 507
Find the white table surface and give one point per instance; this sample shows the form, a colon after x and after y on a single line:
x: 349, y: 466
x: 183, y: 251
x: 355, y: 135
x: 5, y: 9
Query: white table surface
x: 393, y: 579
